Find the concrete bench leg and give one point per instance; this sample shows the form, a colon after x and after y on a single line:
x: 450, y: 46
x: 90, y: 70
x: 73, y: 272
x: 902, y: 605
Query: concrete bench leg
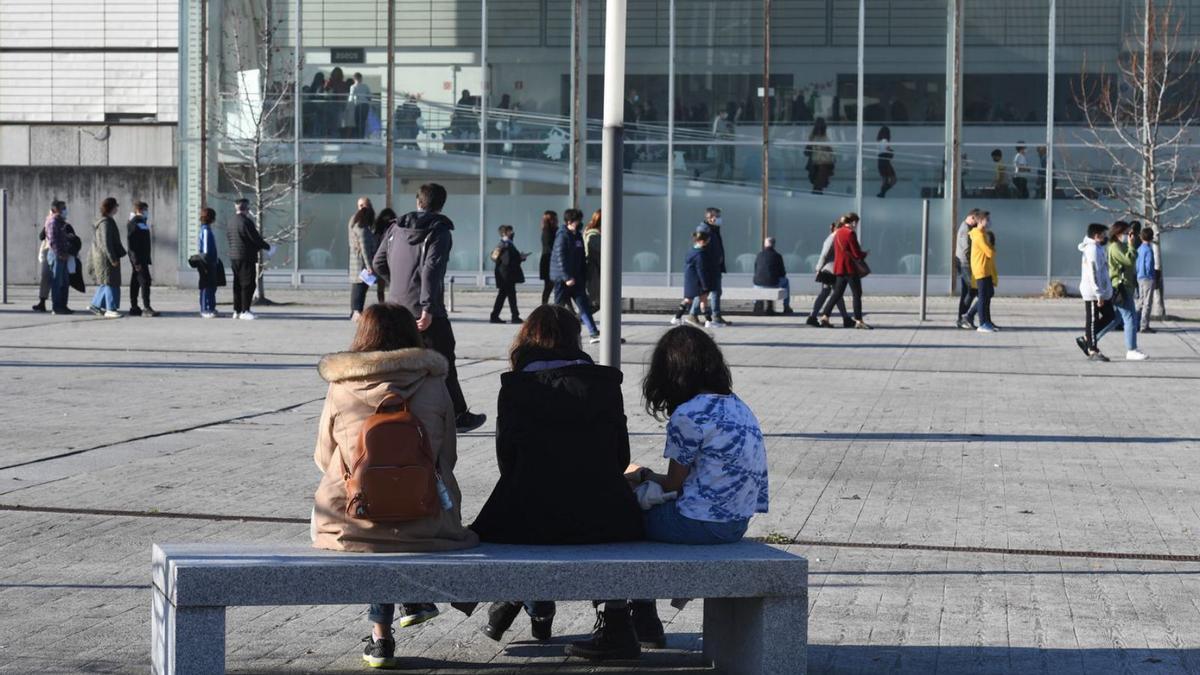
x: 186, y: 640
x: 757, y: 636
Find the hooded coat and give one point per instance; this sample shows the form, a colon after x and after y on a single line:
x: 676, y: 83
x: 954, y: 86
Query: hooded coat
x: 1094, y: 283
x: 413, y: 256
x: 104, y: 258
x: 358, y: 383
x: 562, y: 445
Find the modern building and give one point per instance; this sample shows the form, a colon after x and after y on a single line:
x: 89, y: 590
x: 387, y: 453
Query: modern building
x: 499, y: 100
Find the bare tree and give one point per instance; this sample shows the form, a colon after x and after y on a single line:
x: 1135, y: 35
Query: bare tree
x: 1138, y: 120
x: 256, y: 130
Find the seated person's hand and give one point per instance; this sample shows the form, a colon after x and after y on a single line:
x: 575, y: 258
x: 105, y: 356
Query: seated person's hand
x: 635, y: 475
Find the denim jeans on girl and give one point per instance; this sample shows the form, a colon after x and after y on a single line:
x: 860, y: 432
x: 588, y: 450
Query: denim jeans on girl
x: 107, y: 297
x: 665, y: 523
x: 1127, y: 317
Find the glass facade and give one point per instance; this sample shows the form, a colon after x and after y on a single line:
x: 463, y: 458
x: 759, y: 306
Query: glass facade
x: 784, y: 120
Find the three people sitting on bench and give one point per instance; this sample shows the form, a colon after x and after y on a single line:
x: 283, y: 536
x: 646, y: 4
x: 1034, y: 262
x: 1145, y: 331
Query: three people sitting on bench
x: 562, y: 447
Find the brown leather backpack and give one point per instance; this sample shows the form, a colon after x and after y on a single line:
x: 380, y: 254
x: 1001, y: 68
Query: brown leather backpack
x: 393, y: 477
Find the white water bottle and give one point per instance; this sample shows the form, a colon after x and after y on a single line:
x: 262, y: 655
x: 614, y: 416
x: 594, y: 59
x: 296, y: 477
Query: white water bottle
x: 444, y: 494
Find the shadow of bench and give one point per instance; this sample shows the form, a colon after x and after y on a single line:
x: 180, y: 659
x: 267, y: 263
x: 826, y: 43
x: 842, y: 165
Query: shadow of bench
x: 755, y: 596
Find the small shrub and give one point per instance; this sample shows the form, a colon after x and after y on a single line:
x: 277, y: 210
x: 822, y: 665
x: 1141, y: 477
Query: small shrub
x: 1055, y: 290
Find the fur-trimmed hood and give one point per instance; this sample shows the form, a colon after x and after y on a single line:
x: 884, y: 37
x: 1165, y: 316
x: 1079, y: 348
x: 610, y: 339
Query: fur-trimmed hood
x: 342, y: 366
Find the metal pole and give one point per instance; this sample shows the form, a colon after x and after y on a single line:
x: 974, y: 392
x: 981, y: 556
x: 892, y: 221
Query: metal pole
x: 612, y: 177
x: 858, y: 131
x: 670, y: 135
x: 953, y: 178
x: 578, y: 153
x: 1049, y: 171
x: 765, y: 194
x: 389, y: 133
x: 924, y: 255
x: 484, y: 84
x: 297, y: 131
x: 203, y: 108
x: 4, y: 247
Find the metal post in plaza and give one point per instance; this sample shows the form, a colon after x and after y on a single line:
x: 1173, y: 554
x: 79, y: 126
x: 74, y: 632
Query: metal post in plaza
x: 611, y: 185
x: 4, y: 247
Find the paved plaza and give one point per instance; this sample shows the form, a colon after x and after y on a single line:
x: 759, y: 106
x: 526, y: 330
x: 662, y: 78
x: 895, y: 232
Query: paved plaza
x: 968, y: 503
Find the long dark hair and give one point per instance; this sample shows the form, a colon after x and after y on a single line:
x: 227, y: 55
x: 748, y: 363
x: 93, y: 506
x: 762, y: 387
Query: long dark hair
x: 364, y: 217
x: 686, y: 362
x: 818, y: 128
x: 384, y: 328
x: 384, y: 220
x: 549, y: 221
x: 547, y: 328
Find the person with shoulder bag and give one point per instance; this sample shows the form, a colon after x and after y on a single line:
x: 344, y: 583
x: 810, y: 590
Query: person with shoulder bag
x: 827, y: 279
x: 508, y: 259
x: 849, y: 267
x: 208, y: 264
x: 104, y: 262
x: 388, y: 420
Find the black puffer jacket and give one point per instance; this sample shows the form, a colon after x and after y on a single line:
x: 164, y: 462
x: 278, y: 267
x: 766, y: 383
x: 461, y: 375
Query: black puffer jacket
x: 245, y: 241
x: 563, y: 445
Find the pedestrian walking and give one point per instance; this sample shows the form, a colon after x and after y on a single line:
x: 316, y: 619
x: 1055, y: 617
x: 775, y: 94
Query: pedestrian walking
x: 1095, y: 287
x: 884, y: 155
x: 769, y: 272
x: 1000, y: 186
x: 137, y: 236
x: 827, y: 279
x: 568, y: 270
x: 699, y: 275
x: 1145, y: 278
x: 549, y: 493
x: 716, y: 253
x: 962, y: 263
x: 413, y: 256
x: 591, y: 250
x: 819, y: 157
x: 549, y: 232
x: 58, y: 258
x: 1158, y: 277
x: 849, y: 268
x: 246, y: 243
x: 362, y: 253
x: 212, y: 274
x: 104, y: 262
x: 386, y: 371
x: 385, y: 219
x: 1122, y: 264
x: 508, y: 259
x: 984, y: 273
x: 1021, y: 172
x: 360, y: 105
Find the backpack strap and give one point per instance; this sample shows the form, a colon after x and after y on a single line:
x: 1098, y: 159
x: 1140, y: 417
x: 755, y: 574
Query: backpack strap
x: 392, y: 401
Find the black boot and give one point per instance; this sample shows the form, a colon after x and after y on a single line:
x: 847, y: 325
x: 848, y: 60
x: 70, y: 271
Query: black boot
x: 500, y: 618
x: 647, y: 625
x: 613, y: 638
x: 40, y: 307
x: 541, y: 627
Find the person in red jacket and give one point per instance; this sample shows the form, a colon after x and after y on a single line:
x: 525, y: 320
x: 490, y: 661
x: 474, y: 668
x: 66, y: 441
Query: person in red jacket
x: 849, y: 268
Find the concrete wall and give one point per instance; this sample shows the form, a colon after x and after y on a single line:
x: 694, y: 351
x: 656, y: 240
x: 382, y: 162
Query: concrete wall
x: 30, y: 190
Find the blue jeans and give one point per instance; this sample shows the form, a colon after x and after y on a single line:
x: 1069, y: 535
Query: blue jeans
x: 1127, y: 317
x: 665, y: 523
x: 786, y: 287
x: 583, y: 305
x: 107, y: 297
x: 60, y: 282
x: 208, y: 299
x: 983, y: 303
x: 714, y: 304
x: 966, y: 292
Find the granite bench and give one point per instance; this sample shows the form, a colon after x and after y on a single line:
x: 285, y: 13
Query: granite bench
x: 755, y: 596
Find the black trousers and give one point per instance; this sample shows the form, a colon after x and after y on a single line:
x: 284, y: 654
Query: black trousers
x: 547, y: 289
x: 358, y: 296
x: 1096, y: 318
x: 822, y: 296
x: 139, y: 280
x: 505, y: 292
x: 839, y: 290
x: 440, y: 338
x: 244, y: 282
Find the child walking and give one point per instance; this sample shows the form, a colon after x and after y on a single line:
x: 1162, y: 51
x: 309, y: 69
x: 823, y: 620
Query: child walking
x: 1146, y: 264
x: 699, y: 277
x: 1097, y: 291
x: 508, y: 261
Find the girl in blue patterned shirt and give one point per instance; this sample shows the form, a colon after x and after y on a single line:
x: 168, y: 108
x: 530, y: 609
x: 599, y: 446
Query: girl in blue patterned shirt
x: 718, y: 461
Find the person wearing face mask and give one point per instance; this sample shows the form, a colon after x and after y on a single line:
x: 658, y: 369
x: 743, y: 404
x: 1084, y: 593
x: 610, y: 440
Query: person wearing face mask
x: 1122, y: 263
x: 1096, y: 289
x: 137, y: 233
x: 715, y: 251
x: 60, y: 247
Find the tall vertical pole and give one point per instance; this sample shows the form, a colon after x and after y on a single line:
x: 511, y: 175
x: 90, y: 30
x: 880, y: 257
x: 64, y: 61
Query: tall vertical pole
x: 924, y: 256
x: 578, y: 112
x: 389, y: 132
x: 670, y: 135
x: 1049, y: 171
x: 611, y: 185
x: 858, y: 127
x: 765, y: 194
x: 4, y: 247
x: 485, y: 83
x: 953, y: 178
x: 203, y: 182
x: 297, y: 132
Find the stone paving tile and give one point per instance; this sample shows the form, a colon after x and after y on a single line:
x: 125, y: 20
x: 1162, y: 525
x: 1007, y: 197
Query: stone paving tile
x: 916, y: 435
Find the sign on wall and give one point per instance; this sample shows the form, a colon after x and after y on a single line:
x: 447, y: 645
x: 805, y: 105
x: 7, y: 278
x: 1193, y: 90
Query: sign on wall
x: 347, y: 55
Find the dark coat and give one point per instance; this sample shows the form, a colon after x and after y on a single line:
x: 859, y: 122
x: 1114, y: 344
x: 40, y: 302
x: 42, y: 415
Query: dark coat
x: 591, y: 247
x: 245, y: 241
x: 699, y: 273
x: 104, y: 259
x: 768, y: 268
x: 412, y: 256
x: 716, y: 248
x: 547, y: 247
x: 562, y: 445
x: 508, y: 265
x: 138, y: 240
x: 568, y: 259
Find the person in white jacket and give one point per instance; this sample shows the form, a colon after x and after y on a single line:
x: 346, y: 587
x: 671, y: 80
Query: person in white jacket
x: 1096, y: 289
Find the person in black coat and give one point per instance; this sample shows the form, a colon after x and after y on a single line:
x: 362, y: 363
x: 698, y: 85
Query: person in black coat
x: 769, y: 272
x: 568, y: 270
x: 549, y: 230
x: 245, y: 243
x: 562, y: 445
x: 508, y: 261
x: 137, y: 235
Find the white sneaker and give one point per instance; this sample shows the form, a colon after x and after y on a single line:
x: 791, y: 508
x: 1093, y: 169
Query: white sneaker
x: 112, y: 314
x: 675, y: 321
x: 207, y: 315
x: 1135, y: 355
x: 235, y: 315
x: 711, y: 324
x: 594, y: 340
x: 247, y: 316
x: 985, y: 328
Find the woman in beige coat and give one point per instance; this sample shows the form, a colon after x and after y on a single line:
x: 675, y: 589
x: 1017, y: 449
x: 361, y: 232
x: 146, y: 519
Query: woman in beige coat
x: 384, y: 360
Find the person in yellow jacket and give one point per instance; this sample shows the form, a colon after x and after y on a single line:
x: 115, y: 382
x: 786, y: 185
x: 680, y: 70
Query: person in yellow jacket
x: 983, y: 272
